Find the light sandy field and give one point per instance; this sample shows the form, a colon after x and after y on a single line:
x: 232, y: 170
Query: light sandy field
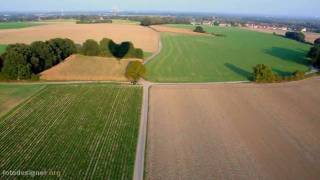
x: 86, y: 68
x: 235, y: 131
x: 142, y: 37
x: 310, y: 37
x: 163, y: 28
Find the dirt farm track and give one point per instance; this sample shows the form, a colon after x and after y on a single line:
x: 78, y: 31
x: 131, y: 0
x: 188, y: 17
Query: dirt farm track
x: 142, y: 37
x: 234, y: 131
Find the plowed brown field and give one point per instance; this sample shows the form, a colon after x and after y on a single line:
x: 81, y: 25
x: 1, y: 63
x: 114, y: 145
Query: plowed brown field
x: 235, y: 131
x: 142, y: 37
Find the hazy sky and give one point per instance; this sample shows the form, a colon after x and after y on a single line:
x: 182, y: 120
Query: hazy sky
x: 266, y: 7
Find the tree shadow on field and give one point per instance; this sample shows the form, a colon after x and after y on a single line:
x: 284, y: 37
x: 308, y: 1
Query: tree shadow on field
x: 282, y: 73
x: 244, y: 73
x: 296, y: 56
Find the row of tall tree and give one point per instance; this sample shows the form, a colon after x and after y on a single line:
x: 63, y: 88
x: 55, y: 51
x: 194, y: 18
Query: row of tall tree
x: 21, y: 61
x: 148, y: 21
x: 108, y: 48
x: 298, y: 36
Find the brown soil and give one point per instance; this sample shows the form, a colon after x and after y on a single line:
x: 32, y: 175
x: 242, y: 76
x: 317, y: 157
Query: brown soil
x: 142, y: 37
x: 85, y: 68
x: 234, y: 131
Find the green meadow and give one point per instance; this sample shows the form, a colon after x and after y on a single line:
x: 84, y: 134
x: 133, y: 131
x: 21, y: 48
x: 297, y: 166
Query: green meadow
x: 17, y: 25
x: 208, y: 58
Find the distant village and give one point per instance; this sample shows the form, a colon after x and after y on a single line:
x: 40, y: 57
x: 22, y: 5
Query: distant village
x: 252, y: 25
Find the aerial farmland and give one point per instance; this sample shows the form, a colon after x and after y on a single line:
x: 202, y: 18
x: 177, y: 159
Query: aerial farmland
x: 124, y: 94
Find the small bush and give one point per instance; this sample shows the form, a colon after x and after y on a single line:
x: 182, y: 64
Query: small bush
x: 199, y: 29
x: 263, y: 73
x: 298, y: 75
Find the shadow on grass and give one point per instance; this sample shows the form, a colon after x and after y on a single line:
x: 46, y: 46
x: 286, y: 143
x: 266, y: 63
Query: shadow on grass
x: 244, y: 73
x: 282, y: 73
x: 289, y: 55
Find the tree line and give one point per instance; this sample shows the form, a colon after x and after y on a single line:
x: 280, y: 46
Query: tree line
x: 21, y: 61
x: 108, y: 48
x: 298, y: 36
x: 148, y: 21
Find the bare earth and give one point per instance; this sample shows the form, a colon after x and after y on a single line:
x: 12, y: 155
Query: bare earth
x: 85, y: 68
x: 235, y: 131
x: 142, y: 37
x: 163, y: 28
x: 310, y: 37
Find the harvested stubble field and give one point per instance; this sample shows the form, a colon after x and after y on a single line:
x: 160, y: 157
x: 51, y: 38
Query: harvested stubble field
x: 142, y: 37
x: 234, y: 131
x: 11, y: 95
x: 85, y: 68
x: 80, y: 131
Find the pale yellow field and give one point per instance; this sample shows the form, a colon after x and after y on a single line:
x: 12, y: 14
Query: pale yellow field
x: 142, y: 37
x: 85, y: 68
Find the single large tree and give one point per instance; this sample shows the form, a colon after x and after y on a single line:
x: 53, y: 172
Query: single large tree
x: 135, y: 71
x: 90, y: 48
x: 199, y: 29
x: 317, y: 42
x: 263, y: 73
x: 104, y: 47
x: 314, y: 55
x: 45, y: 55
x: 16, y: 65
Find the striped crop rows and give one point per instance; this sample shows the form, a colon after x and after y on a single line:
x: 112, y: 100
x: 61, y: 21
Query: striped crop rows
x: 81, y: 131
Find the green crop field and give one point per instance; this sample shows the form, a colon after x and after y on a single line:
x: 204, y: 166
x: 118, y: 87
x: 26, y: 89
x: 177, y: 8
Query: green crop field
x: 17, y: 25
x: 2, y: 48
x: 187, y: 58
x: 74, y: 132
x: 11, y: 95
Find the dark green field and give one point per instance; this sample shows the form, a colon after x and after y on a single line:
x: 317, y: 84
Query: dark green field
x: 77, y: 131
x: 187, y: 58
x: 17, y: 25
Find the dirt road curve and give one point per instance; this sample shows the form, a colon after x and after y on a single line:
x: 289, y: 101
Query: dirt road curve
x: 234, y: 131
